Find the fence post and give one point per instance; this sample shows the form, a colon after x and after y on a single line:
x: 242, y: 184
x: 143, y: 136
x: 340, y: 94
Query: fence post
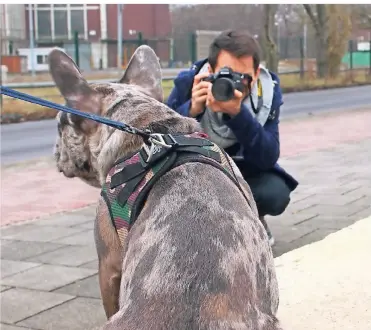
x: 171, y: 52
x: 76, y: 42
x: 301, y: 49
x: 193, y: 47
x: 11, y: 47
x: 351, y: 56
x: 140, y: 38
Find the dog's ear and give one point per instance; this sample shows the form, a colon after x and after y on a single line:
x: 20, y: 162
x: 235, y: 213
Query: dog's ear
x: 144, y: 70
x: 74, y: 88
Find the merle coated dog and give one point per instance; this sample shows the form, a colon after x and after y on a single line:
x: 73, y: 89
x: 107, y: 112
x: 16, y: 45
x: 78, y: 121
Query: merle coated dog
x: 197, y: 256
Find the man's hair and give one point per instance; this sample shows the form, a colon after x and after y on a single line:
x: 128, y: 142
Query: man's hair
x: 238, y: 43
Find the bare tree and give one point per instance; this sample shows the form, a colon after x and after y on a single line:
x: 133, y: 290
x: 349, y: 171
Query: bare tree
x: 319, y: 19
x: 332, y: 26
x: 186, y: 20
x: 362, y: 15
x: 270, y: 48
x: 339, y: 32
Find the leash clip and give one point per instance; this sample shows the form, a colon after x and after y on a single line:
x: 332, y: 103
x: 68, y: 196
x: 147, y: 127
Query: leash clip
x: 156, y: 145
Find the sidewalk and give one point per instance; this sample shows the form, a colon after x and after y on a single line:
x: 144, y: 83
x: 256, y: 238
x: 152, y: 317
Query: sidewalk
x: 50, y: 266
x: 332, y: 287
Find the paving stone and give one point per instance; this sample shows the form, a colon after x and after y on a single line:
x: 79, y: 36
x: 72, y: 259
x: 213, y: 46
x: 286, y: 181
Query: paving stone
x: 11, y: 267
x: 364, y: 213
x: 16, y: 229
x: 65, y: 220
x: 280, y: 247
x: 90, y: 211
x: 77, y: 314
x: 4, y: 326
x: 283, y: 246
x: 91, y: 265
x: 365, y: 201
x: 290, y: 218
x: 83, y: 238
x: 42, y: 233
x: 4, y: 242
x: 331, y: 199
x: 88, y: 287
x: 331, y: 222
x: 291, y: 233
x: 4, y: 288
x: 86, y: 225
x: 343, y: 210
x: 47, y: 277
x: 311, y: 237
x: 20, y: 250
x: 67, y: 256
x: 18, y: 304
x: 302, y: 205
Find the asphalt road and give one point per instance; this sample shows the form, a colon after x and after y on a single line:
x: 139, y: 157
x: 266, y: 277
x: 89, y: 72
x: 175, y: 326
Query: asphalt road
x: 31, y: 140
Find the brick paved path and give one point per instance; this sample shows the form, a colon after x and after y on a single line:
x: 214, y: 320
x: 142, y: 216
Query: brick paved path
x: 49, y: 266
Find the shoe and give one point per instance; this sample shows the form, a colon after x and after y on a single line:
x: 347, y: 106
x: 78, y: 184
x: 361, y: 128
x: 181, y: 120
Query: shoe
x: 269, y: 233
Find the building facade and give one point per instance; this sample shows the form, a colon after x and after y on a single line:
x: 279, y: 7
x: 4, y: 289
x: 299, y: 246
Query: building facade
x: 96, y: 26
x: 12, y: 28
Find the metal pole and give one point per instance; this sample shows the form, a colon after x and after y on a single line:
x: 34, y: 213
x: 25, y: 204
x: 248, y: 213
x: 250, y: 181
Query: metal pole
x: 279, y: 38
x: 305, y: 40
x: 32, y: 41
x: 119, y: 35
x: 77, y: 47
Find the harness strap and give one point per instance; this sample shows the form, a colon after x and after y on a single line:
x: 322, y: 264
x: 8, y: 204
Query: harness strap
x: 132, y: 185
x: 129, y: 188
x: 153, y: 176
x: 181, y: 140
x: 130, y: 181
x: 126, y: 174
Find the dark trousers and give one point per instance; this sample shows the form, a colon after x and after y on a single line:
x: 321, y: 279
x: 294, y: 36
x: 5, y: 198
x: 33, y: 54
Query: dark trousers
x: 271, y: 193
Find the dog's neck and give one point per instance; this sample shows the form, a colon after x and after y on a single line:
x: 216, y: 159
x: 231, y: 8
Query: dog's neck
x: 112, y: 145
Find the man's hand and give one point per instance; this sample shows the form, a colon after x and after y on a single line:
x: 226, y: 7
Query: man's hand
x: 199, y: 94
x: 231, y: 107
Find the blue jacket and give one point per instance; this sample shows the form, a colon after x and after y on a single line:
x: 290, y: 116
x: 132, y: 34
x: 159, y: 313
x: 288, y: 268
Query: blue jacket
x: 259, y: 146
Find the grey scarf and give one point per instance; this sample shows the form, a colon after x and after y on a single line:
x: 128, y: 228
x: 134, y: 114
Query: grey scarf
x: 213, y: 124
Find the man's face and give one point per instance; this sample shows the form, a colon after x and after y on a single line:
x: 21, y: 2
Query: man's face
x: 244, y: 64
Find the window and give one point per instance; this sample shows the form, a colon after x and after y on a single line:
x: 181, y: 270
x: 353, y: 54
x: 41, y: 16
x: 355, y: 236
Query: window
x: 42, y: 59
x: 77, y: 22
x: 60, y: 23
x: 44, y: 23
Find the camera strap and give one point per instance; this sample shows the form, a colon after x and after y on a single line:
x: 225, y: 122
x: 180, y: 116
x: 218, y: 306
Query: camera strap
x: 260, y: 98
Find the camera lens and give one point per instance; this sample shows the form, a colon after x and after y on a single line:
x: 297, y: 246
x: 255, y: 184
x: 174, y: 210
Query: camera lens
x: 223, y: 89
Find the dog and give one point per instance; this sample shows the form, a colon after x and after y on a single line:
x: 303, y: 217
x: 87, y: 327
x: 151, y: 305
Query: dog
x: 197, y: 256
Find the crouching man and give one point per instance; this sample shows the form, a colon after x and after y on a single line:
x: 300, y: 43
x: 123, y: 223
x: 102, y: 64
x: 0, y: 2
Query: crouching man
x: 237, y: 101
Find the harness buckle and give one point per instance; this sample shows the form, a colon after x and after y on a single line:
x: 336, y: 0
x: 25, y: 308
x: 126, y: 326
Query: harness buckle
x: 157, y: 144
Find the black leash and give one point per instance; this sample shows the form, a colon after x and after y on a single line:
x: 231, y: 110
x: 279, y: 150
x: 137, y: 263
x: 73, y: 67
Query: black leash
x: 146, y: 135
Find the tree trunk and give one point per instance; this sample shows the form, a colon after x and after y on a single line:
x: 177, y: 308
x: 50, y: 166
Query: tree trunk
x: 321, y: 56
x: 319, y: 22
x: 271, y: 55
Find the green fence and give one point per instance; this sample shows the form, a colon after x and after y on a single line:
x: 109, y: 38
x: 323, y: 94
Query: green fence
x: 357, y: 59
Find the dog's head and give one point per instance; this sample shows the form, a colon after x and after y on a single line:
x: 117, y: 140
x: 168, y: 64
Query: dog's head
x: 87, y: 149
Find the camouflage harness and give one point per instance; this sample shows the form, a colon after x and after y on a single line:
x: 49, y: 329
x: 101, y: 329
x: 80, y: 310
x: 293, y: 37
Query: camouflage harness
x: 131, y: 178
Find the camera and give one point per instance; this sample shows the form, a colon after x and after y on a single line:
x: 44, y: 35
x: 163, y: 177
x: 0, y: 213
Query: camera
x: 225, y: 82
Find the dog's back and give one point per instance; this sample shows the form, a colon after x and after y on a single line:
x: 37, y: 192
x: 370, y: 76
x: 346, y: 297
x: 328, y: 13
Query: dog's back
x: 197, y: 258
